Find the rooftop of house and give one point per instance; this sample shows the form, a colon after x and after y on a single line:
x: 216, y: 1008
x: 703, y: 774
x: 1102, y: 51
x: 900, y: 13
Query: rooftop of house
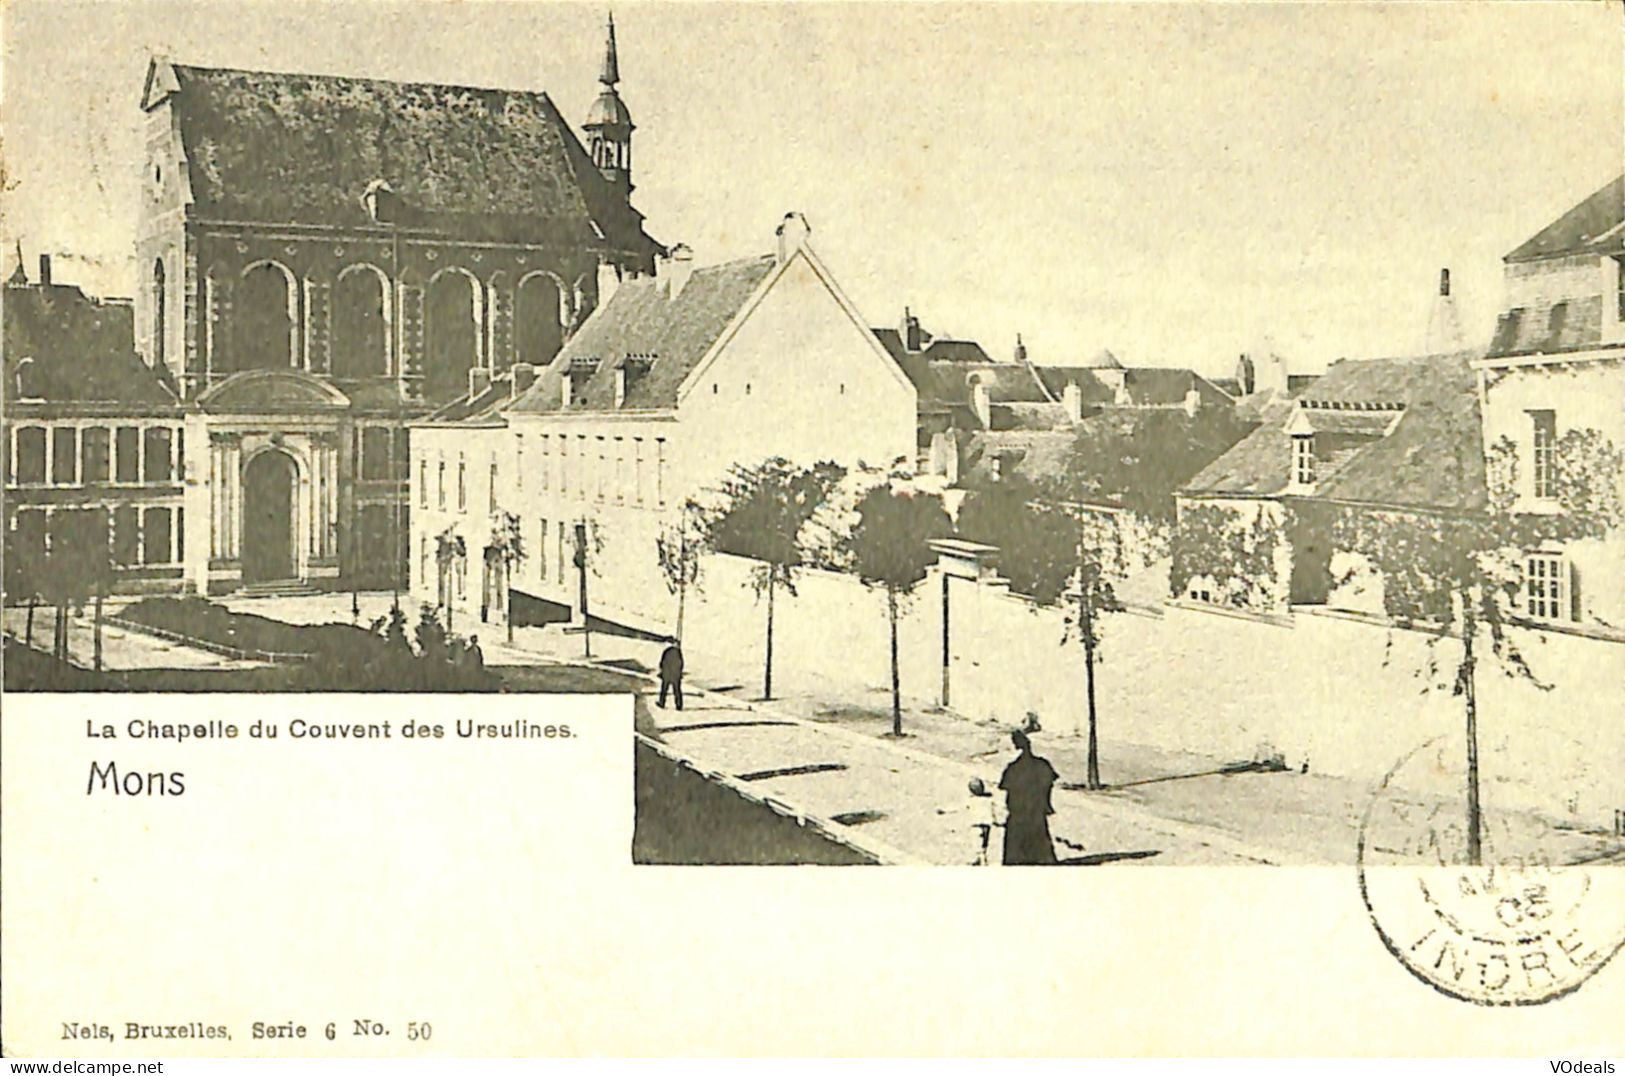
x: 942, y: 371
x: 1128, y: 456
x: 63, y: 347
x: 468, y: 161
x: 1397, y: 432
x: 1595, y: 226
x: 1564, y: 325
x: 1144, y: 386
x: 659, y: 338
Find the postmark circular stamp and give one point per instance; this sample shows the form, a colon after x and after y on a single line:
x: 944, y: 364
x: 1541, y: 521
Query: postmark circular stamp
x: 1532, y: 923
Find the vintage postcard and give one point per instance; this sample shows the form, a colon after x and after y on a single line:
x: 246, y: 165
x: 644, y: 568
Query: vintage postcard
x: 476, y: 472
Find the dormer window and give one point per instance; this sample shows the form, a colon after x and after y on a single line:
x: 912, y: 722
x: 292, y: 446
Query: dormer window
x: 1303, y: 459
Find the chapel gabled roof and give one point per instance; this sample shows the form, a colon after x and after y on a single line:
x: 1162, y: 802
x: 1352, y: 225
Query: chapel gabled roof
x: 284, y: 147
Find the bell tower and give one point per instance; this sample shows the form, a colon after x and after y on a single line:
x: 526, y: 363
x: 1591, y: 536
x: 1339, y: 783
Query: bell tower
x: 609, y: 125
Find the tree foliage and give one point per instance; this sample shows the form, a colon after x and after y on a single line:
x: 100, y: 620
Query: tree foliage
x: 890, y: 545
x: 763, y: 510
x: 1139, y: 461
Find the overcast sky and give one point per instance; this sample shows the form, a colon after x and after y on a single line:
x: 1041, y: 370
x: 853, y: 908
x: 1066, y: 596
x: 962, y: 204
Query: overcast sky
x: 1174, y: 182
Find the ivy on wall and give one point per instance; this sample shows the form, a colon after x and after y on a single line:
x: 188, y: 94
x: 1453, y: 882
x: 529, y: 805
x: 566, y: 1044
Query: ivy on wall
x: 1240, y: 557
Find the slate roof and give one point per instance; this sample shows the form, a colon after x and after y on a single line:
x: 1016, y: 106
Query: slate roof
x: 1593, y: 226
x: 641, y: 320
x: 467, y: 161
x: 1565, y: 325
x: 939, y: 349
x: 83, y: 349
x: 1433, y: 458
x: 1159, y: 449
x: 484, y: 409
x: 1027, y: 416
x: 1146, y: 385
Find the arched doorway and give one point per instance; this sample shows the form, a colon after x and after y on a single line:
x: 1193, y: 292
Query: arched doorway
x: 268, y: 517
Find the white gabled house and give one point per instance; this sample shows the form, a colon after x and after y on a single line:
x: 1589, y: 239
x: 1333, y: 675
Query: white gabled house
x: 674, y: 379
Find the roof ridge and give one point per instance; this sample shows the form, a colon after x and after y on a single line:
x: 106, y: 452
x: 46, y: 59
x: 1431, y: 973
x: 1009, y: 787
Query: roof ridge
x: 334, y: 77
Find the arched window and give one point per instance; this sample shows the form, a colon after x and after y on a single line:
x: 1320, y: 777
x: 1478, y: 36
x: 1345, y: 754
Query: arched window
x: 540, y: 329
x: 452, y: 312
x: 160, y: 326
x: 360, y: 336
x: 264, y: 307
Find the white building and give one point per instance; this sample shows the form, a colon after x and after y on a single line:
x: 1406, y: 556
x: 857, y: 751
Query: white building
x: 672, y: 381
x: 1557, y: 364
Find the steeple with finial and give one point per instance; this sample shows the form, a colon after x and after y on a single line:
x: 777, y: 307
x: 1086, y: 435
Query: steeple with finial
x: 609, y: 124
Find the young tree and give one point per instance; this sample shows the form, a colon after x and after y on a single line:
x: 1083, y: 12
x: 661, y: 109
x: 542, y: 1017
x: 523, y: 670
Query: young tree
x: 890, y: 549
x: 449, y: 548
x: 1059, y: 555
x: 763, y: 509
x: 678, y: 549
x: 508, y: 544
x: 587, y: 545
x: 1458, y: 574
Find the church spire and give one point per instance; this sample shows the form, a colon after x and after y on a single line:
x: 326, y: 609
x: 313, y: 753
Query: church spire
x: 609, y: 124
x: 611, y: 72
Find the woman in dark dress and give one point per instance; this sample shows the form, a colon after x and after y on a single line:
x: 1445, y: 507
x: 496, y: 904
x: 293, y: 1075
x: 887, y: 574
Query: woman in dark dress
x: 1027, y: 783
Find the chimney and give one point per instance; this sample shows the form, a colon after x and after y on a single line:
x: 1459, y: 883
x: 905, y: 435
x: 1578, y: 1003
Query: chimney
x: 1021, y: 350
x: 45, y: 270
x: 479, y: 379
x: 1193, y: 400
x: 1072, y: 400
x: 620, y: 385
x: 910, y: 332
x: 792, y: 233
x: 980, y: 401
x: 1444, y: 333
x: 609, y: 279
x: 524, y: 376
x: 679, y: 268
x: 566, y: 387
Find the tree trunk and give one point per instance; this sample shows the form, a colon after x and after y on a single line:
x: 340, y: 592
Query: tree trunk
x: 1093, y: 775
x: 1086, y: 621
x: 682, y: 597
x: 1475, y: 849
x: 28, y: 630
x: 896, y: 692
x: 98, y: 633
x: 59, y: 643
x: 507, y: 582
x: 767, y: 665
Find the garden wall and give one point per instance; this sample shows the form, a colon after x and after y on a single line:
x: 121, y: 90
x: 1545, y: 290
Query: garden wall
x: 1345, y: 696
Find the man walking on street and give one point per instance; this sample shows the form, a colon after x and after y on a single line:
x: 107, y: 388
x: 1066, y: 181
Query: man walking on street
x: 1027, y: 783
x: 671, y: 674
